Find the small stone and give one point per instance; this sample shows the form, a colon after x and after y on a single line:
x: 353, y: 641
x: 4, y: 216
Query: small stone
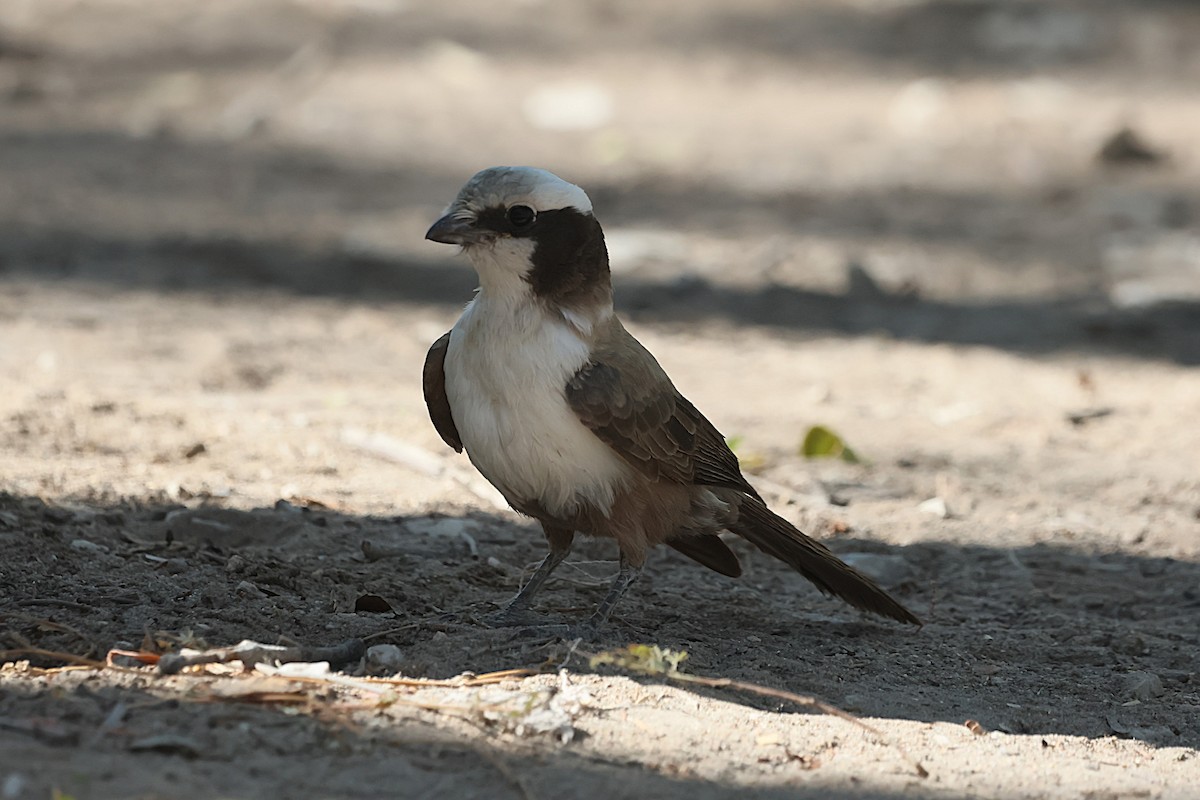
x: 384, y: 659
x: 174, y: 566
x: 935, y: 506
x: 235, y: 564
x: 1143, y: 686
x: 57, y: 515
x: 13, y: 786
x: 1130, y: 644
x: 84, y: 546
x: 248, y: 589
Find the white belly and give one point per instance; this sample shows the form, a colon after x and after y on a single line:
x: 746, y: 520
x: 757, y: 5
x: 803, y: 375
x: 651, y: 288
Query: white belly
x: 506, y: 372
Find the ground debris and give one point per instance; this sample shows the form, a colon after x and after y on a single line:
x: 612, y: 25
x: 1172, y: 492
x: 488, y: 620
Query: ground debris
x: 249, y: 653
x: 168, y: 743
x: 543, y: 711
x: 1143, y: 686
x: 1128, y: 147
x: 654, y: 660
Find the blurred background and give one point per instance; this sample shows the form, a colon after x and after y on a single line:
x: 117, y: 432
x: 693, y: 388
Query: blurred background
x: 212, y: 217
x: 1019, y: 174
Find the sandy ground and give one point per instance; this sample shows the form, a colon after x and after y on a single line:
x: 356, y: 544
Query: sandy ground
x: 884, y: 218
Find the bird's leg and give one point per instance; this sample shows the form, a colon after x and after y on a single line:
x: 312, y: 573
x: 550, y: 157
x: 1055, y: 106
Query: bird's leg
x: 628, y: 573
x: 591, y: 627
x: 560, y: 540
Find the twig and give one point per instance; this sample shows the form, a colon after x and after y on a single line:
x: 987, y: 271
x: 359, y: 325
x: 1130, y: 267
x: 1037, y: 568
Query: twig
x: 462, y: 681
x: 250, y: 653
x: 49, y: 624
x: 653, y: 660
x: 1078, y: 418
x: 31, y: 652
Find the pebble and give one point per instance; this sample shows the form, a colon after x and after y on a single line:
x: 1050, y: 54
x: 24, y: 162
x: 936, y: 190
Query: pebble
x: 1143, y: 686
x: 13, y: 786
x: 935, y: 506
x: 1130, y: 644
x: 248, y: 589
x: 384, y: 659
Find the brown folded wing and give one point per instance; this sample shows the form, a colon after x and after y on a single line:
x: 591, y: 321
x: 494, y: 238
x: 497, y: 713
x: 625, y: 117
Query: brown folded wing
x: 435, y: 393
x: 625, y: 398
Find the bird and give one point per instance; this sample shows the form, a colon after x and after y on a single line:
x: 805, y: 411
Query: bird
x: 575, y: 423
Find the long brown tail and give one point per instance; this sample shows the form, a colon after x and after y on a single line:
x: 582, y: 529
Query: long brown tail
x: 776, y: 537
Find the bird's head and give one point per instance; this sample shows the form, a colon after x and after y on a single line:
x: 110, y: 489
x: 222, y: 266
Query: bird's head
x: 526, y: 229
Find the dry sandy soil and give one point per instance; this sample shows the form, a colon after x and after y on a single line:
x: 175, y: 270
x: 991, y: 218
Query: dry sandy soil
x: 886, y: 218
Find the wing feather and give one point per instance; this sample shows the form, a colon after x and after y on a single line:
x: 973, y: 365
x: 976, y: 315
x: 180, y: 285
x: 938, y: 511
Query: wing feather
x: 434, y: 379
x: 625, y: 398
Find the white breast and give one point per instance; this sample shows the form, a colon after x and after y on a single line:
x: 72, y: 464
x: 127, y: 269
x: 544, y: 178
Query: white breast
x: 507, y: 368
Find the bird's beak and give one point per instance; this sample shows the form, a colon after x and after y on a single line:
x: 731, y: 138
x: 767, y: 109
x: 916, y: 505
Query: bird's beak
x: 452, y: 229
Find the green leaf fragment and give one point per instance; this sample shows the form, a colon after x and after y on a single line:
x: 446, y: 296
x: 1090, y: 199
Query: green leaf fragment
x: 820, y: 442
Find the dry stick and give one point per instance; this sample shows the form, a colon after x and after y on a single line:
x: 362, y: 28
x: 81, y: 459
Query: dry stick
x: 657, y: 662
x: 486, y: 679
x: 49, y: 624
x: 250, y: 653
x: 365, y: 683
x: 71, y: 658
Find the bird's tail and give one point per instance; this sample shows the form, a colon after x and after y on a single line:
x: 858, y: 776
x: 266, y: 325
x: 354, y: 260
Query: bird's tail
x: 775, y: 536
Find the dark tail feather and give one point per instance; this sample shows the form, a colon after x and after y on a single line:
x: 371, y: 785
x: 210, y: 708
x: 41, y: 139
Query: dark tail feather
x: 710, y: 551
x: 776, y: 537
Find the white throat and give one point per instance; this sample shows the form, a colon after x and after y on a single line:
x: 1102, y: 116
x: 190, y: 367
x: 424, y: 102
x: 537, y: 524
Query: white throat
x: 502, y: 266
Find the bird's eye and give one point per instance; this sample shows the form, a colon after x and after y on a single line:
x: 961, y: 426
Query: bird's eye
x: 521, y: 216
